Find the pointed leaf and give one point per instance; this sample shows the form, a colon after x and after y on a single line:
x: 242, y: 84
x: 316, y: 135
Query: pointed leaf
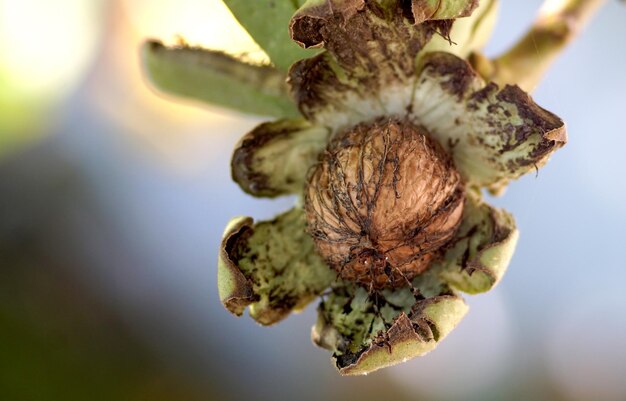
x: 267, y: 21
x: 219, y: 79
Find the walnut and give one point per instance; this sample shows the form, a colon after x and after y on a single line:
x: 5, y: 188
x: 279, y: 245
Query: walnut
x: 382, y: 203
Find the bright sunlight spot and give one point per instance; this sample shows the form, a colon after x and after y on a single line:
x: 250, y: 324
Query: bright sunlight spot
x: 46, y: 45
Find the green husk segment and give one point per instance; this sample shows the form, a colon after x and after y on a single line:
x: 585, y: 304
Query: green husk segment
x: 267, y: 22
x: 442, y: 9
x: 217, y: 78
x: 274, y: 158
x: 402, y: 325
x: 270, y: 266
x: 482, y: 249
x: 495, y: 135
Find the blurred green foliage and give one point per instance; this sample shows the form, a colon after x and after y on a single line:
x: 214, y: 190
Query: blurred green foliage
x: 59, y: 343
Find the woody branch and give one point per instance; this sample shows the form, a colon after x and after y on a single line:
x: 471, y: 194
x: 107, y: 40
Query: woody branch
x: 558, y: 23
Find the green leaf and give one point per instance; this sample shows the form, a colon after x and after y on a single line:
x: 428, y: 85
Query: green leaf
x: 218, y: 79
x: 267, y: 21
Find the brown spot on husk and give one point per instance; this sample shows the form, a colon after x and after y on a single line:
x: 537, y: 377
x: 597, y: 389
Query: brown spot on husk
x: 460, y: 74
x: 552, y: 126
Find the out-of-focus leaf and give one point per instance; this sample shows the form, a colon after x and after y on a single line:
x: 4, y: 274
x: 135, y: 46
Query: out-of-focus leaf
x: 267, y: 21
x: 219, y: 79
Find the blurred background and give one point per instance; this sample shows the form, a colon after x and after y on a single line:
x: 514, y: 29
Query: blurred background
x: 113, y: 200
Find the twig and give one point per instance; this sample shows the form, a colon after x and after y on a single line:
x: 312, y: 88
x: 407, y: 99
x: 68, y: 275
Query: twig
x: 558, y: 23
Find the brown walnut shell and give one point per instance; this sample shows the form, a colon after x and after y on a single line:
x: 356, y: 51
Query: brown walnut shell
x: 382, y: 202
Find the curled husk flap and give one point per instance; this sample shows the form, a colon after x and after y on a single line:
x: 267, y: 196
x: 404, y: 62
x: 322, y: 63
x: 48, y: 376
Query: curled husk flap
x: 270, y: 266
x: 494, y: 134
x: 370, y: 332
x: 273, y: 159
x: 480, y: 253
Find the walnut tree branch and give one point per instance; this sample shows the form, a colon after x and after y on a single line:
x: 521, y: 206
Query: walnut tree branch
x: 558, y: 23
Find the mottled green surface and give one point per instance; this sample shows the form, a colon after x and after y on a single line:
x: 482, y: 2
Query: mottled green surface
x: 367, y: 332
x: 278, y: 260
x: 494, y: 134
x: 438, y: 318
x: 350, y: 311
